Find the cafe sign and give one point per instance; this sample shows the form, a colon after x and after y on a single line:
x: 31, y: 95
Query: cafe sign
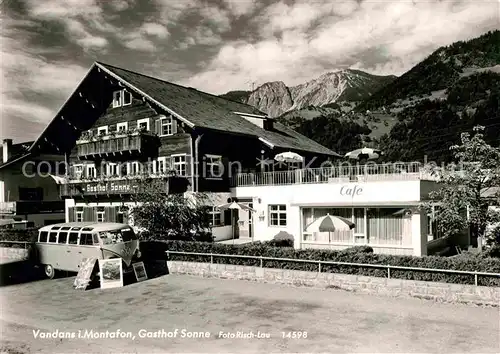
x: 351, y: 190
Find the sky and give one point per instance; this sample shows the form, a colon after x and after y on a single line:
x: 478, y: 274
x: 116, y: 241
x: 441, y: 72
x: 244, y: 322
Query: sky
x: 47, y: 46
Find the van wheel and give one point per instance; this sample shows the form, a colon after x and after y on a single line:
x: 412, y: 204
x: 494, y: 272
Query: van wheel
x: 50, y: 272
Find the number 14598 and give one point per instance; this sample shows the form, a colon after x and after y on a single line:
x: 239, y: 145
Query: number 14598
x: 294, y: 335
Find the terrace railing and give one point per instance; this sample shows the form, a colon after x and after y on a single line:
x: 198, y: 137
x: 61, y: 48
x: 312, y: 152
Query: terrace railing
x: 340, y: 174
x: 261, y: 260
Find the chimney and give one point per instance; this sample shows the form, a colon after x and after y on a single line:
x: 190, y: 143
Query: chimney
x: 7, y: 144
x: 268, y: 124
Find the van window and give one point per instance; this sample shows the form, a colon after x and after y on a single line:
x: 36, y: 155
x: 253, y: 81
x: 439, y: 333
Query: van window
x: 63, y: 237
x: 86, y: 239
x: 53, y: 237
x: 128, y: 235
x: 43, y: 236
x: 73, y: 238
x: 65, y: 228
x: 95, y: 239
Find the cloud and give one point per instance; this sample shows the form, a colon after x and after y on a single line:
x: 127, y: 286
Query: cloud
x: 308, y: 40
x: 155, y: 29
x: 120, y: 5
x: 73, y: 14
x: 242, y: 7
x: 32, y: 87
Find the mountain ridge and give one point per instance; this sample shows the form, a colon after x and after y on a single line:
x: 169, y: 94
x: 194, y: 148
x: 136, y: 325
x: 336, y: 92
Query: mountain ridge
x: 276, y: 98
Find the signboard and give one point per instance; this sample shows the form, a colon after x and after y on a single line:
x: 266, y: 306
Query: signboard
x: 140, y: 271
x: 85, y: 274
x: 111, y: 273
x: 111, y: 187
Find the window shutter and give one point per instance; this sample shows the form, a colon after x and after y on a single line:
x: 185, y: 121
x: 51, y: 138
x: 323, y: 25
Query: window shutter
x: 71, y: 214
x: 110, y: 214
x: 158, y: 126
x: 174, y: 125
x: 89, y: 214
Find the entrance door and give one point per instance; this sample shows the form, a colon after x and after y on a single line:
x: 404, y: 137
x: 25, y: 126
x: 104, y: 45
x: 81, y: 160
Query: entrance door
x: 245, y: 223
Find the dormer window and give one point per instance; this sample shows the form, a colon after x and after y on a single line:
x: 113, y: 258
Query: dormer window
x: 121, y: 98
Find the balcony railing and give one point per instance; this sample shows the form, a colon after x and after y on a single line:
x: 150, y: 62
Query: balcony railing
x: 343, y: 174
x: 123, y: 186
x: 116, y: 145
x: 25, y: 207
x: 7, y: 207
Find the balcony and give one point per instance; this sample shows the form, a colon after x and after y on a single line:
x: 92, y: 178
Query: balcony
x: 122, y: 186
x: 341, y: 174
x: 25, y: 207
x: 7, y: 208
x: 117, y: 146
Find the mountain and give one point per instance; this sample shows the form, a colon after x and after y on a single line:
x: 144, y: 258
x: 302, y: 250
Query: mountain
x: 439, y: 71
x: 275, y: 98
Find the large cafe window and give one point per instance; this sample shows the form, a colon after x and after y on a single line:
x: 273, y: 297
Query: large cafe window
x: 376, y: 226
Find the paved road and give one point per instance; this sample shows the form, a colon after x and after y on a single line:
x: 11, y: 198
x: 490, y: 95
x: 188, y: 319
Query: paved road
x: 335, y: 321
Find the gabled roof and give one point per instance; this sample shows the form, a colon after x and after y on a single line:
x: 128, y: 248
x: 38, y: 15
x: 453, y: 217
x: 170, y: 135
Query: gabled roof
x: 203, y: 110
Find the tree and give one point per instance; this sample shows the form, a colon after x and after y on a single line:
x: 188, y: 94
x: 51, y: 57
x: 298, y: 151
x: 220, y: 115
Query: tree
x: 473, y: 187
x: 171, y: 216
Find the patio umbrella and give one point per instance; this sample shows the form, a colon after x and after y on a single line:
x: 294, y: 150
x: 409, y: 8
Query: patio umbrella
x: 364, y: 153
x: 330, y: 223
x: 289, y: 156
x: 236, y: 206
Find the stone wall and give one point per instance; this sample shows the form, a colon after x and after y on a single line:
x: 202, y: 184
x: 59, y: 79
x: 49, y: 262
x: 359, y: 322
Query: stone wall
x: 441, y: 292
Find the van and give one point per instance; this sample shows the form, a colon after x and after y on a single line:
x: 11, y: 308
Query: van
x: 62, y: 247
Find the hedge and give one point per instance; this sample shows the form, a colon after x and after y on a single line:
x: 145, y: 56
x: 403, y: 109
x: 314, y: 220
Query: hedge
x: 21, y: 235
x: 361, y: 254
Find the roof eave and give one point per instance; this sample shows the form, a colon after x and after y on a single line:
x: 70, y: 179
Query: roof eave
x: 37, y: 141
x: 144, y: 94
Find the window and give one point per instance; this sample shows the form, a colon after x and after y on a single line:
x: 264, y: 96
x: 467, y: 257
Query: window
x: 86, y: 239
x: 166, y: 126
x: 277, y: 215
x: 143, y: 124
x: 91, y: 172
x: 73, y: 238
x: 214, y: 168
x: 162, y: 165
x: 112, y: 169
x: 43, y: 236
x: 100, y: 214
x: 215, y: 217
x: 63, y: 237
x: 117, y: 99
x: 179, y: 162
x: 78, y: 171
x: 30, y: 193
x: 121, y: 98
x: 79, y: 216
x: 122, y: 127
x: 53, y: 237
x: 102, y: 130
x: 389, y: 226
x: 127, y: 98
x: 133, y: 168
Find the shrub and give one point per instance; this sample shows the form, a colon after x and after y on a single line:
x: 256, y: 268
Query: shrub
x: 26, y: 235
x: 359, y: 254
